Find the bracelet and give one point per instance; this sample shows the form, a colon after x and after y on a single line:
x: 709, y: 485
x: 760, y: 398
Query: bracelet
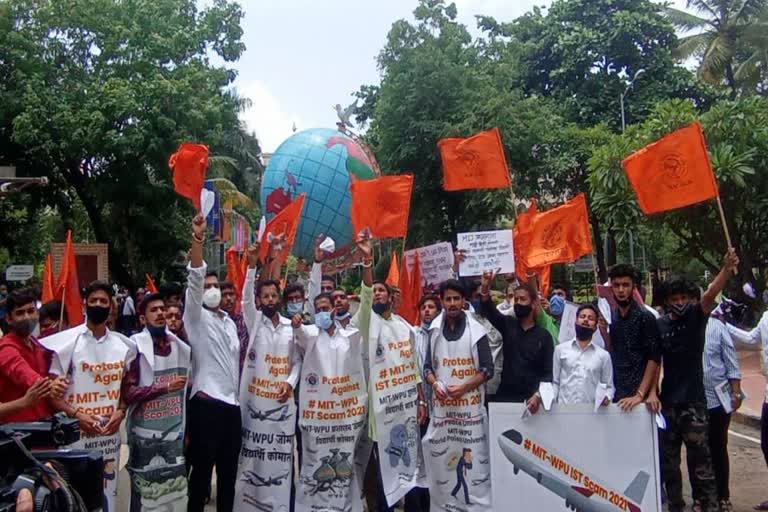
x: 422, y: 403
x: 197, y: 239
x: 367, y: 265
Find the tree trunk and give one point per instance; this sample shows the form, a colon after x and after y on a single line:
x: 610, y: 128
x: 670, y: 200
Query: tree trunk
x: 602, y: 269
x: 731, y: 79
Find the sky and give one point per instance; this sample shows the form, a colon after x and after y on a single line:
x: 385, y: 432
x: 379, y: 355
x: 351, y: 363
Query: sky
x: 305, y: 56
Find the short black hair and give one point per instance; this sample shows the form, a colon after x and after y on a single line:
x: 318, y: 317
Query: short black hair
x: 170, y: 288
x: 150, y: 297
x: 51, y: 310
x: 175, y: 304
x: 326, y: 277
x: 452, y: 284
x: 96, y: 286
x: 19, y: 298
x: 624, y: 270
x: 267, y: 282
x: 587, y: 305
x: 433, y: 298
x: 530, y: 290
x: 226, y: 285
x: 323, y: 296
x: 384, y: 284
x: 293, y: 288
x: 679, y: 284
x: 211, y: 273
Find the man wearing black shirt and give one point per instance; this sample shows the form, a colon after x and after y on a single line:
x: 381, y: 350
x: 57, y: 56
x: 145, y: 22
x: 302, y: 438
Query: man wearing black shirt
x: 682, y: 333
x: 527, y: 348
x: 633, y: 343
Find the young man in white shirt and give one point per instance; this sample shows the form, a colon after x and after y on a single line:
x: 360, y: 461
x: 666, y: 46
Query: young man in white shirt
x: 579, y: 366
x: 214, y: 415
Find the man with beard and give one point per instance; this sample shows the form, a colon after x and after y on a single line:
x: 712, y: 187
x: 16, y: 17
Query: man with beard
x: 229, y: 304
x: 155, y: 390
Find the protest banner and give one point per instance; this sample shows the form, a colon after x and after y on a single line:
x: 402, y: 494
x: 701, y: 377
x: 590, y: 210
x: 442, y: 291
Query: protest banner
x: 539, y: 465
x: 435, y: 262
x: 568, y: 326
x: 486, y: 251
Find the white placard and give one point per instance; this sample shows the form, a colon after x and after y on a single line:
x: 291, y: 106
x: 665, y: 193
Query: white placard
x: 435, y: 262
x: 207, y: 200
x: 19, y: 272
x: 486, y: 251
x: 574, y: 458
x: 568, y: 326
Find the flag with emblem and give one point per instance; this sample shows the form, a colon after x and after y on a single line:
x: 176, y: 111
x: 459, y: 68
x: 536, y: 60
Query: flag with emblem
x: 286, y: 222
x: 477, y: 162
x: 560, y: 235
x: 382, y: 205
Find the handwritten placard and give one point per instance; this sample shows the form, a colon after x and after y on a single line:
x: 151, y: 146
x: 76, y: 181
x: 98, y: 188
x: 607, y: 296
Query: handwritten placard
x: 435, y: 262
x: 486, y: 251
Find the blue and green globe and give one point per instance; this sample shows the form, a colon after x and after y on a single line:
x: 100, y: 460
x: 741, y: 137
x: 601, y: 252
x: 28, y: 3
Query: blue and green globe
x: 318, y: 162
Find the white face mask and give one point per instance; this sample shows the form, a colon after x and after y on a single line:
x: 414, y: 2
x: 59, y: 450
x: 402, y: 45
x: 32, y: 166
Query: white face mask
x: 212, y: 298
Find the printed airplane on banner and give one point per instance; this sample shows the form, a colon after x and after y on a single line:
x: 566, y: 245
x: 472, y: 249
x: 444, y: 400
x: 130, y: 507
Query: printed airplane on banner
x: 590, y: 497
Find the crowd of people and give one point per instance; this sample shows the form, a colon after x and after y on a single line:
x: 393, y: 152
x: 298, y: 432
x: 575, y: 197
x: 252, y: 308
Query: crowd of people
x: 237, y: 380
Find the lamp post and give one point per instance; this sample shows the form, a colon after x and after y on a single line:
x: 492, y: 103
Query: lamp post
x: 638, y: 73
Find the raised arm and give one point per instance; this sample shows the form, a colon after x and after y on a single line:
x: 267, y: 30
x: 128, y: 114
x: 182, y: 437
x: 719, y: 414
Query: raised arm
x: 315, y: 275
x: 730, y: 263
x: 250, y: 313
x: 362, y: 318
x: 487, y: 309
x: 193, y: 303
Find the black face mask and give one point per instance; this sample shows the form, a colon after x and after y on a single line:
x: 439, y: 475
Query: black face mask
x: 23, y: 328
x: 380, y: 308
x: 680, y: 309
x: 523, y: 310
x: 269, y: 310
x: 624, y: 303
x: 97, y: 314
x: 584, y: 333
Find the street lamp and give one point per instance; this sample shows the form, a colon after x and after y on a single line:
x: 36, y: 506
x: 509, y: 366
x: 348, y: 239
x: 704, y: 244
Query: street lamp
x: 621, y: 98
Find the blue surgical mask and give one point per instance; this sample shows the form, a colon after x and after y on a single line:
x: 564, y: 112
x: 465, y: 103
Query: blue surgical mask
x: 295, y: 308
x: 556, y: 305
x: 323, y: 320
x: 343, y: 316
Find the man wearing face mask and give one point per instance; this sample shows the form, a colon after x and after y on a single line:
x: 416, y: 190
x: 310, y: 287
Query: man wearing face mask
x: 95, y: 360
x: 155, y: 390
x: 50, y: 316
x: 556, y: 303
x: 215, y: 383
x: 293, y: 297
x: 24, y: 363
x: 318, y: 282
x: 341, y: 314
x: 229, y: 304
x: 682, y: 337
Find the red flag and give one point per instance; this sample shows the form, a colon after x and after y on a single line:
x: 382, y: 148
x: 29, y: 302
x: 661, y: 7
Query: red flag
x: 48, y: 285
x: 382, y: 204
x: 406, y: 308
x: 68, y: 287
x: 149, y: 284
x: 477, y: 162
x: 189, y: 165
x: 393, y: 277
x: 287, y: 221
x: 560, y: 235
x: 673, y: 172
x: 234, y: 274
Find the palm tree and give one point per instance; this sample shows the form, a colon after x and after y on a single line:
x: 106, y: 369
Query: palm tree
x: 730, y: 39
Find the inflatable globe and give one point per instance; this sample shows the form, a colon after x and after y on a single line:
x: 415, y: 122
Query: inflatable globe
x: 318, y: 162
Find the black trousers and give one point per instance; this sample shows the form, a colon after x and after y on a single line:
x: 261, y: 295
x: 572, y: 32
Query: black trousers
x: 719, y: 421
x: 214, y: 439
x: 764, y: 431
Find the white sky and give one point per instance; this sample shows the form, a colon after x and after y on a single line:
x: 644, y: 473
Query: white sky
x: 303, y: 56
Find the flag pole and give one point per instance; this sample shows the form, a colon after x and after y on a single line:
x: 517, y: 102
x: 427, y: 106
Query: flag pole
x: 513, y: 201
x: 725, y: 227
x: 63, y: 301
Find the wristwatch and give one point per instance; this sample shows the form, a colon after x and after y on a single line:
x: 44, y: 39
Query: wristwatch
x: 422, y: 403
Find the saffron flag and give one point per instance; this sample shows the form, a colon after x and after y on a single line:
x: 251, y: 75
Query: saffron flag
x: 68, y: 287
x: 477, y: 162
x: 560, y: 235
x: 382, y: 205
x: 48, y: 285
x: 287, y: 222
x: 406, y: 308
x: 393, y: 277
x: 234, y: 274
x: 521, y: 239
x: 189, y: 165
x: 673, y: 172
x: 149, y: 284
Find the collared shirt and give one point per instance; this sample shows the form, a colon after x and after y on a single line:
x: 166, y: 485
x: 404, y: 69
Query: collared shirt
x: 681, y: 344
x: 634, y: 342
x: 527, y: 355
x: 576, y: 372
x: 242, y: 335
x: 214, y: 341
x: 22, y: 365
x: 720, y: 360
x: 131, y: 390
x: 484, y: 357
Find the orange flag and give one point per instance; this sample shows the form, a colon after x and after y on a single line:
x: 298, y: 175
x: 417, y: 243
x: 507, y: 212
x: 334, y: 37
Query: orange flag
x: 416, y: 289
x: 477, y: 162
x: 48, y: 285
x: 67, y: 287
x: 393, y: 277
x: 234, y: 274
x: 406, y: 308
x: 560, y: 235
x: 287, y: 221
x: 521, y: 238
x: 189, y: 165
x: 673, y: 172
x: 382, y: 204
x: 149, y: 284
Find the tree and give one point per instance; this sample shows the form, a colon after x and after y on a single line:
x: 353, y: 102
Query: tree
x: 730, y: 41
x: 96, y: 96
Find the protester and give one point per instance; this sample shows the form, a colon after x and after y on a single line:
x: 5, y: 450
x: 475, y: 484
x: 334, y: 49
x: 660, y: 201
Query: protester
x: 174, y: 318
x: 633, y: 340
x: 52, y: 319
x: 682, y: 337
x: 527, y: 347
x: 493, y: 335
x: 230, y: 306
x: 542, y: 318
x: 171, y: 293
x: 579, y: 367
x: 270, y: 375
x: 331, y: 372
x: 318, y: 282
x: 556, y: 304
x: 294, y: 300
x: 341, y: 314
x: 457, y: 366
x: 216, y: 351
x: 26, y: 390
x: 94, y: 359
x: 721, y: 365
x: 154, y: 388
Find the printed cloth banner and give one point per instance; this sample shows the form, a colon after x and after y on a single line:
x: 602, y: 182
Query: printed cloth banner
x: 456, y: 448
x: 332, y: 404
x: 155, y: 431
x: 266, y: 457
x: 590, y: 465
